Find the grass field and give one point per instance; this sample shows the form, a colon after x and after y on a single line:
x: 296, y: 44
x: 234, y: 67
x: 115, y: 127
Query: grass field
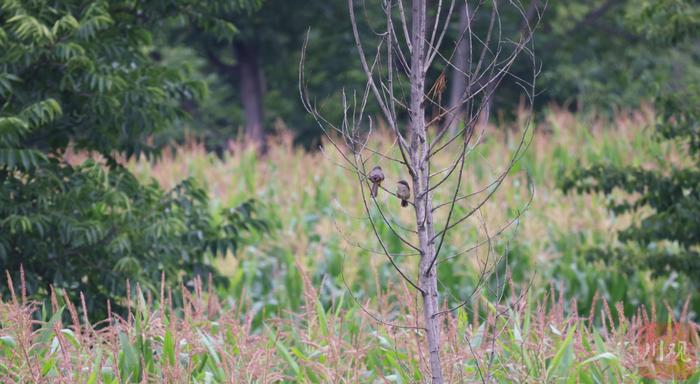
x: 321, y: 221
x: 314, y: 301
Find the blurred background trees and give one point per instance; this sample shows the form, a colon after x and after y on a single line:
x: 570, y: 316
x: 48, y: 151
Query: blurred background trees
x: 125, y: 78
x: 77, y: 75
x: 665, y: 195
x: 595, y: 55
x: 254, y: 76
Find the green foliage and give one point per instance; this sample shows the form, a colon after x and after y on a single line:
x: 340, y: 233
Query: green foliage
x: 531, y: 341
x: 274, y: 32
x: 78, y: 74
x: 666, y: 20
x: 603, y: 54
x: 666, y: 239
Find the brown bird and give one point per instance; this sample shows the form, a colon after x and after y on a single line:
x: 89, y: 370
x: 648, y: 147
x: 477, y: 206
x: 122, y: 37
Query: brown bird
x: 376, y: 176
x: 403, y: 192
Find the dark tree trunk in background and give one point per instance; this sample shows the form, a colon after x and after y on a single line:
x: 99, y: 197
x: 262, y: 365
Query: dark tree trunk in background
x: 251, y: 91
x: 461, y: 66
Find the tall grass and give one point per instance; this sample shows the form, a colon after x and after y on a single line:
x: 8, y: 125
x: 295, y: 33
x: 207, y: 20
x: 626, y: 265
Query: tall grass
x: 315, y: 302
x: 207, y: 341
x: 320, y: 221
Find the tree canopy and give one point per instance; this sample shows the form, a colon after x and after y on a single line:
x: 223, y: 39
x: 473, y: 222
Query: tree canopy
x: 78, y: 74
x: 597, y: 55
x: 667, y: 238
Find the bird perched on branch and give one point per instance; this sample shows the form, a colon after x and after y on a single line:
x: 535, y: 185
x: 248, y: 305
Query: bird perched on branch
x: 403, y: 192
x: 375, y: 176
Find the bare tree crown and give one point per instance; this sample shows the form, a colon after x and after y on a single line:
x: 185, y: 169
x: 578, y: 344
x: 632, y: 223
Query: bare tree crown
x: 413, y: 47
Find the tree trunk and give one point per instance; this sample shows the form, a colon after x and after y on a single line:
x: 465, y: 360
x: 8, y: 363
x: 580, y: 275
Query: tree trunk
x: 423, y: 201
x: 251, y: 92
x: 461, y: 66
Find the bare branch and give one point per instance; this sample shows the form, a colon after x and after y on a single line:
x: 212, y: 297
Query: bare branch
x: 499, y: 180
x: 382, y: 105
x: 500, y: 231
x: 525, y: 32
x: 404, y: 25
x: 372, y: 315
x: 381, y: 242
x: 436, y: 46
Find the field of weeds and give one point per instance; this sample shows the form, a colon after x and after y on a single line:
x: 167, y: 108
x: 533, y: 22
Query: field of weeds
x: 315, y: 302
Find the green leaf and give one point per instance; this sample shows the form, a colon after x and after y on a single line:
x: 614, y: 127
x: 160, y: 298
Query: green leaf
x: 565, y: 349
x: 8, y: 342
x: 129, y: 366
x: 169, y: 347
x: 600, y: 356
x: 284, y: 351
x: 48, y: 365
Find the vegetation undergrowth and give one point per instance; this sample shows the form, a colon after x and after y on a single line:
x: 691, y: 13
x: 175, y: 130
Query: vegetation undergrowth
x: 207, y: 341
x: 318, y: 215
x: 306, y: 304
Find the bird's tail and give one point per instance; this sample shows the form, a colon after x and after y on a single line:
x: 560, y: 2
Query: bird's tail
x: 404, y: 203
x: 374, y: 189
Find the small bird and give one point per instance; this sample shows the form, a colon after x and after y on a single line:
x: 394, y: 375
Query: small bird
x: 376, y: 176
x: 403, y: 192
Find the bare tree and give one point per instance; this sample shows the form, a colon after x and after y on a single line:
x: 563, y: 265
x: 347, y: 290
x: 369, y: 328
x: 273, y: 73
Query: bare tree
x: 397, y: 72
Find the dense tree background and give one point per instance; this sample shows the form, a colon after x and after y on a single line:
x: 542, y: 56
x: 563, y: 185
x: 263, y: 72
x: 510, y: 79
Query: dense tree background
x: 595, y: 55
x: 78, y: 74
x: 123, y: 78
x: 666, y: 240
